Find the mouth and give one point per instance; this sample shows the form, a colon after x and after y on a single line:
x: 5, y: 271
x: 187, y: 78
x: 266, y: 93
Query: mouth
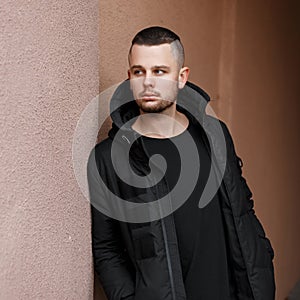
x: 149, y: 97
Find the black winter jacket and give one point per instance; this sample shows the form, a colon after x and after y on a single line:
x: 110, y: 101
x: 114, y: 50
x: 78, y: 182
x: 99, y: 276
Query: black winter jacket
x: 141, y: 261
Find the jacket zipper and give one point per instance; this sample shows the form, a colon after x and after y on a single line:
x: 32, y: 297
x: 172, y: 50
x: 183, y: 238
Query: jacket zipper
x: 168, y: 259
x: 167, y: 247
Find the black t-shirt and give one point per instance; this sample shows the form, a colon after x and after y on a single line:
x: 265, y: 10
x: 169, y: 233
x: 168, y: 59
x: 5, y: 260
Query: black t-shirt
x: 200, y: 232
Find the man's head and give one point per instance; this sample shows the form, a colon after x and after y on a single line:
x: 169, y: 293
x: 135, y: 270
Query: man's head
x: 156, y: 69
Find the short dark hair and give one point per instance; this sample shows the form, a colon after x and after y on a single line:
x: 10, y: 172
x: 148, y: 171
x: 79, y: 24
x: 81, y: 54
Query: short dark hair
x: 156, y: 35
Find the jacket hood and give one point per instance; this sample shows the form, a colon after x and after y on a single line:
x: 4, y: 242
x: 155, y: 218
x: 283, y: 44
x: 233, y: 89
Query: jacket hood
x: 191, y: 100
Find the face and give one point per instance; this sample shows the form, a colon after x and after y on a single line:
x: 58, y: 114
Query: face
x: 155, y: 77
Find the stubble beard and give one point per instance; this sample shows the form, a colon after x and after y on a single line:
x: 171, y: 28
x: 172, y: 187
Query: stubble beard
x: 157, y: 108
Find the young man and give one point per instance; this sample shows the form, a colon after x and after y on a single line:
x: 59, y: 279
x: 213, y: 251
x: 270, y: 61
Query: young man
x: 165, y: 245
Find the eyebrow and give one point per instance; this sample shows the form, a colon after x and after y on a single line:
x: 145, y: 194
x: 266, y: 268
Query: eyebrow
x: 161, y: 67
x: 155, y: 67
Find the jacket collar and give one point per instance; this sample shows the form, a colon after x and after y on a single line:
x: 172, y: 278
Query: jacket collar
x: 191, y: 101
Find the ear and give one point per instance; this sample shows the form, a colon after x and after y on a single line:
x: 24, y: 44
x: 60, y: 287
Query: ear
x: 183, y: 77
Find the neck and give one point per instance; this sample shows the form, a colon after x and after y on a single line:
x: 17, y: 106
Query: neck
x: 166, y: 124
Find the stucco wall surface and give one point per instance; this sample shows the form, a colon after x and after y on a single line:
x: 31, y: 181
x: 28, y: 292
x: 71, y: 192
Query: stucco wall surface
x: 48, y: 73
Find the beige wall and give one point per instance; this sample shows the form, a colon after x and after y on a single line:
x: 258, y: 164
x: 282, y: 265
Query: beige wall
x: 48, y: 73
x: 245, y: 54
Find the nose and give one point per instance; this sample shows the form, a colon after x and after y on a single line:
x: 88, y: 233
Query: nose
x: 149, y: 80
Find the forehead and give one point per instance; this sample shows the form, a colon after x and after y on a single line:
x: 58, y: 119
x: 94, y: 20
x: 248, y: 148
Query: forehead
x: 152, y: 55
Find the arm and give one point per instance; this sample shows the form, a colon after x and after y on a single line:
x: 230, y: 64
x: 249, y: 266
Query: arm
x: 110, y: 259
x: 255, y: 246
x: 238, y: 165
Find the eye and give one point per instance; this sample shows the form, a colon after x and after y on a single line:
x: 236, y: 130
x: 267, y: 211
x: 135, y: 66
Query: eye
x: 137, y: 72
x: 159, y: 72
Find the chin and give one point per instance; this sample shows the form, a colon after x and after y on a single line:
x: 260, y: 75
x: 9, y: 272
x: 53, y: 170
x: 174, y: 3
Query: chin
x: 155, y: 107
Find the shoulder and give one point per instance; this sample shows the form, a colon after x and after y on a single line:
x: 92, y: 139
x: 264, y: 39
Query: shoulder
x: 222, y: 137
x: 213, y: 120
x: 218, y: 126
x: 100, y: 153
x: 103, y: 148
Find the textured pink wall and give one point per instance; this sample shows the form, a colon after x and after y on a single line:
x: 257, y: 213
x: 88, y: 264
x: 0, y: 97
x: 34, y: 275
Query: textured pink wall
x: 246, y: 55
x: 48, y: 73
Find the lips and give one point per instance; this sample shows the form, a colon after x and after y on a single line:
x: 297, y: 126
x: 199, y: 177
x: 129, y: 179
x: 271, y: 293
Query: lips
x: 149, y: 97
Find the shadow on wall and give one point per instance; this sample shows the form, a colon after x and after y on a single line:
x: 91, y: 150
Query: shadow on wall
x: 295, y: 293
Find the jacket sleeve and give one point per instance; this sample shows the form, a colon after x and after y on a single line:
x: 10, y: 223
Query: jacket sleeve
x: 111, y: 261
x: 256, y: 247
x: 238, y: 164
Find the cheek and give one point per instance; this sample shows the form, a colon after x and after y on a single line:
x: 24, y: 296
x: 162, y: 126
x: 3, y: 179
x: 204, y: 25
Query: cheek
x: 166, y: 85
x: 136, y: 85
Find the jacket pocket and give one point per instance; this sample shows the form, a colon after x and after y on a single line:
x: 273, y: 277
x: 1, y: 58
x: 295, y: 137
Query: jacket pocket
x: 143, y: 242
